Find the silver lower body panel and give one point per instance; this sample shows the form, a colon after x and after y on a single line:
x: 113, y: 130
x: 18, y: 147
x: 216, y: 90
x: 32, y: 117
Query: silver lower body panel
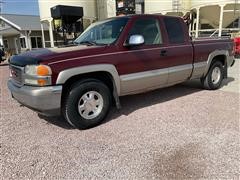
x: 45, y: 100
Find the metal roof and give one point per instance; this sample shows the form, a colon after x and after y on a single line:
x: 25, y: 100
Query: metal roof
x: 9, y: 31
x: 22, y: 22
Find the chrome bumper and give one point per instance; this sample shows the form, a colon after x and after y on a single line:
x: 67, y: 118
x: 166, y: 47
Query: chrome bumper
x: 45, y: 100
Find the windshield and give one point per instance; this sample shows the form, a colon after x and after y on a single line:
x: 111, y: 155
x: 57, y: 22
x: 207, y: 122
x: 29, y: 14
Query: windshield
x: 102, y: 33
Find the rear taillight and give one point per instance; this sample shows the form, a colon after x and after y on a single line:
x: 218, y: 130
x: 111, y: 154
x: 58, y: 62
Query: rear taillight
x: 236, y: 46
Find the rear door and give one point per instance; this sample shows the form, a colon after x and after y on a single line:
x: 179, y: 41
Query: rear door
x: 179, y: 51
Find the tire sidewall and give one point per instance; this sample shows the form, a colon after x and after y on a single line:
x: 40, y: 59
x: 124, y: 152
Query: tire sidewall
x: 71, y: 104
x: 210, y: 83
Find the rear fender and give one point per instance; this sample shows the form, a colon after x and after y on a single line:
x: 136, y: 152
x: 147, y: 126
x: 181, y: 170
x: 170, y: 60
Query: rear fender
x: 214, y: 54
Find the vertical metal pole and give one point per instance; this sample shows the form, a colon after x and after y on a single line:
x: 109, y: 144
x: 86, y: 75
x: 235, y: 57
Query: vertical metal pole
x: 220, y: 21
x: 26, y: 40
x: 190, y: 25
x: 197, y: 23
x: 43, y: 36
x: 1, y: 40
x: 1, y: 37
x: 56, y: 33
x: 28, y: 43
x: 51, y: 33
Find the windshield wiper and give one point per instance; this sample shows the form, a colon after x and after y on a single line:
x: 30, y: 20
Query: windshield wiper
x: 89, y: 43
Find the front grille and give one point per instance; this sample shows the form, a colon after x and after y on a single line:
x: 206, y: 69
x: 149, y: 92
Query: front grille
x: 16, y: 73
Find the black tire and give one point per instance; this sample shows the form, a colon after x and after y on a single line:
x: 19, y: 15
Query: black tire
x: 73, y: 97
x: 207, y: 81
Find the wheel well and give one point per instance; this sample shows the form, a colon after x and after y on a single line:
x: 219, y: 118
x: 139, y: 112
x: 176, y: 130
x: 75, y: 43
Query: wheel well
x: 104, y: 77
x: 220, y: 58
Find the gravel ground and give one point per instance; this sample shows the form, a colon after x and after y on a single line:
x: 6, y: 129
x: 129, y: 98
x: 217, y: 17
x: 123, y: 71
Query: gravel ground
x: 181, y: 132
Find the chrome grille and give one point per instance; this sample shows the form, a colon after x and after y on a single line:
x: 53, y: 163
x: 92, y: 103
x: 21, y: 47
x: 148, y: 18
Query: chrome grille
x: 16, y: 73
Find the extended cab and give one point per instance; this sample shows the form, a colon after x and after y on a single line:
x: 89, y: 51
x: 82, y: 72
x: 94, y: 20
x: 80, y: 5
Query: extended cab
x: 112, y: 58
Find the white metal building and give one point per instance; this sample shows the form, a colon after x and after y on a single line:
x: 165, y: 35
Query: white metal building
x: 89, y: 9
x: 217, y: 15
x: 208, y: 16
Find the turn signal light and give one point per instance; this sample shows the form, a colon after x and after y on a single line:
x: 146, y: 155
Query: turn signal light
x: 43, y: 70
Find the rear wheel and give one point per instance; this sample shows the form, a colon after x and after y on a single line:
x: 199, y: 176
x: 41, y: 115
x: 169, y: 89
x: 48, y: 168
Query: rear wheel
x: 87, y: 104
x: 214, y: 77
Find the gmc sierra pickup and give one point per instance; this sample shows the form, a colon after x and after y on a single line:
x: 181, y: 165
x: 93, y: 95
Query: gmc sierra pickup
x: 112, y: 58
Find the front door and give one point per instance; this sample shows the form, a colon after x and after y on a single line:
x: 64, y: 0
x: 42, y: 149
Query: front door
x: 144, y: 67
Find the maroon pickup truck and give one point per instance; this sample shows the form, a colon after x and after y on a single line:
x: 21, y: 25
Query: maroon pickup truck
x: 112, y: 58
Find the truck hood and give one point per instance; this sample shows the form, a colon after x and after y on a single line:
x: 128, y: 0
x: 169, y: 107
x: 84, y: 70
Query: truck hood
x: 47, y: 55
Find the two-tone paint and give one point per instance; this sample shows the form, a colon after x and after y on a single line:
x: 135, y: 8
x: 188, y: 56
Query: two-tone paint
x: 134, y: 69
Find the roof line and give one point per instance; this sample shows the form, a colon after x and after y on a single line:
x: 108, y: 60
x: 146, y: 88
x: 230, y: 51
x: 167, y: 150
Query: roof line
x: 11, y: 23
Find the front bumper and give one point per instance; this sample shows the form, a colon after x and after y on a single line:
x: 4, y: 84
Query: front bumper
x: 45, y: 100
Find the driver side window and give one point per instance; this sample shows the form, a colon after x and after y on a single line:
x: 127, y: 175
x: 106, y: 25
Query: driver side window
x: 149, y: 29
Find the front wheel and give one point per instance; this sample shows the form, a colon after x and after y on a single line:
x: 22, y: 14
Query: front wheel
x: 214, y: 77
x: 87, y: 104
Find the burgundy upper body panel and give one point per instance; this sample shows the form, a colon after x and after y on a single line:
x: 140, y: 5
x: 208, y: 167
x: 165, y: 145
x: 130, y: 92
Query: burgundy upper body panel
x: 203, y: 47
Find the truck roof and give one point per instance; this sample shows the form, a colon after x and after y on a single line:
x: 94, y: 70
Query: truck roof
x: 142, y: 15
x: 146, y: 15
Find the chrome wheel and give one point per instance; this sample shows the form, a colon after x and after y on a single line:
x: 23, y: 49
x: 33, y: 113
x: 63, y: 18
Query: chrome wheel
x: 90, y: 105
x: 216, y: 75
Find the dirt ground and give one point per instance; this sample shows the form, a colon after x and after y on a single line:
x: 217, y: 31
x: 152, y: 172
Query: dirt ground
x: 181, y: 132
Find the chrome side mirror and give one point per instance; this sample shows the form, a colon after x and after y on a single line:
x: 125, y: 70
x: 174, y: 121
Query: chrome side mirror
x: 136, y: 40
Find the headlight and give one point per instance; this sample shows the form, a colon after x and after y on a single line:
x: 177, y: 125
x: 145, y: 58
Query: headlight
x: 39, y: 75
x: 31, y: 70
x: 38, y: 70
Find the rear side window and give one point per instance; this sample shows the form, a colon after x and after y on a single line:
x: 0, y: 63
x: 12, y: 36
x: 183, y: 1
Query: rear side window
x: 174, y: 30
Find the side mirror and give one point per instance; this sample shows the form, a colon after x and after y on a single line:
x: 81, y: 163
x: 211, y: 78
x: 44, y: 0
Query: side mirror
x: 135, y: 40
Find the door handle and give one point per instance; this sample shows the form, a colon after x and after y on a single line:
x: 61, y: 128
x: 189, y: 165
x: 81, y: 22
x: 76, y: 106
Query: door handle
x: 163, y: 52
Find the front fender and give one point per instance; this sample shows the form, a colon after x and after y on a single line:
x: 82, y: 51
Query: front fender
x: 68, y: 73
